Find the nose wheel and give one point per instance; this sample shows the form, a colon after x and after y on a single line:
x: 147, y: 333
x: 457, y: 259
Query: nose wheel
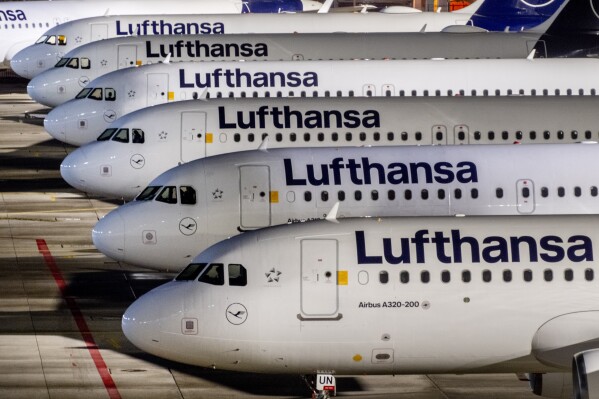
x: 322, y: 386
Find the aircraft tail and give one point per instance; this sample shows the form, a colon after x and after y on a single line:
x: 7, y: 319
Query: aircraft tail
x: 573, y: 32
x: 516, y: 15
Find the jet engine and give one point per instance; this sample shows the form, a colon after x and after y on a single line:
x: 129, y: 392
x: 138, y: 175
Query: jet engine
x: 551, y: 385
x: 585, y: 372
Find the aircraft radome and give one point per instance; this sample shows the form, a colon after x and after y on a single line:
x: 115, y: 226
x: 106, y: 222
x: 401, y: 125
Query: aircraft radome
x: 420, y: 296
x: 136, y: 148
x: 194, y: 205
x: 117, y: 93
x: 37, y: 58
x: 23, y: 22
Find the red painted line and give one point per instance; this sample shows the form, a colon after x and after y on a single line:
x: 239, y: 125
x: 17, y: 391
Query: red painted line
x: 96, y: 356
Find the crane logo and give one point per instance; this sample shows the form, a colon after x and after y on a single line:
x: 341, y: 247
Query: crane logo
x: 137, y: 161
x: 236, y: 314
x: 188, y: 226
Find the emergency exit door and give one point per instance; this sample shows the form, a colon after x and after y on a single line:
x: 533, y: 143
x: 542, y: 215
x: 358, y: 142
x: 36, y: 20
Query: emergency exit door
x: 98, y: 32
x: 127, y: 55
x: 254, y: 187
x: 157, y: 88
x: 193, y: 135
x: 319, y: 278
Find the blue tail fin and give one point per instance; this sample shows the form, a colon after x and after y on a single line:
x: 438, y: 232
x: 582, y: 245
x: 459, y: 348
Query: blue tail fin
x: 513, y: 15
x: 272, y: 6
x: 574, y: 32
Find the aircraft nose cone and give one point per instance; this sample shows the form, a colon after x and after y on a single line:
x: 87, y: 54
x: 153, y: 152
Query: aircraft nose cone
x: 31, y: 61
x: 108, y: 235
x: 55, y: 124
x: 22, y: 66
x: 149, y: 320
x: 45, y: 90
x: 74, y: 168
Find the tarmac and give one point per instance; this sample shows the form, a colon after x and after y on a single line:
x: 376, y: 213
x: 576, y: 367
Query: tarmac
x: 61, y: 300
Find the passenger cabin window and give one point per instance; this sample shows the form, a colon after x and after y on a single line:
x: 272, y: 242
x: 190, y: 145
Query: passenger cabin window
x: 214, y: 274
x: 168, y: 195
x: 191, y: 272
x: 148, y: 194
x: 122, y: 136
x: 237, y: 275
x: 188, y: 195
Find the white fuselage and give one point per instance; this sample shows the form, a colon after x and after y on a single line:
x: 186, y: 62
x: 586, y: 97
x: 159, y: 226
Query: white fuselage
x: 42, y: 56
x: 117, y: 93
x: 22, y: 23
x: 194, y: 205
x: 149, y: 141
x: 83, y: 64
x: 383, y: 296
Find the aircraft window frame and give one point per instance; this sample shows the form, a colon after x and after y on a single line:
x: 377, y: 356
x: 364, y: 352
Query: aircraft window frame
x: 85, y: 63
x: 589, y: 274
x: 121, y: 136
x: 532, y: 135
x: 407, y: 195
x: 560, y: 134
x: 214, y: 268
x: 251, y: 137
x: 62, y: 62
x: 239, y: 278
x: 424, y: 194
x: 137, y: 136
x: 418, y: 136
x: 477, y: 135
x: 61, y: 40
x: 374, y: 195
x: 358, y: 195
x: 574, y: 134
x: 548, y: 275
x: 441, y: 194
x: 107, y: 134
x: 527, y: 275
x: 307, y: 196
x: 83, y: 93
x: 341, y: 195
x: 168, y: 195
x: 491, y: 135
x: 188, y: 195
x: 425, y: 277
x: 487, y: 276
x: 474, y: 193
x: 507, y: 275
x: 279, y: 137
x: 191, y: 272
x: 383, y: 277
x: 561, y: 191
x: 391, y: 195
x: 505, y: 135
x: 404, y: 136
x: 110, y: 94
x: 335, y: 136
x: 349, y: 136
x: 466, y: 276
x: 390, y: 136
x: 96, y: 94
x: 320, y: 137
x: 73, y: 63
x: 237, y: 137
x: 324, y: 196
x: 594, y: 191
x: 568, y: 274
x: 457, y: 193
x: 445, y: 276
x: 51, y: 40
x: 577, y: 191
x: 499, y: 192
x: 404, y: 277
x: 544, y: 192
x: 519, y: 135
x: 307, y: 137
x: 42, y: 39
x: 148, y: 193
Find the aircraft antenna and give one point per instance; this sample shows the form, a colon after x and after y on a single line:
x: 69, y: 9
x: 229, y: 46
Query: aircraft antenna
x: 332, y: 215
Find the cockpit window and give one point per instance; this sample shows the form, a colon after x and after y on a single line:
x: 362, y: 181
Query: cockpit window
x: 61, y: 62
x: 51, y: 40
x: 110, y: 94
x: 191, y: 272
x: 83, y: 93
x: 214, y: 274
x: 237, y: 275
x: 138, y: 136
x: 107, y: 134
x: 148, y: 194
x: 96, y: 94
x: 188, y: 195
x: 62, y: 40
x: 122, y: 136
x: 73, y: 63
x: 85, y: 64
x: 41, y: 39
x: 168, y: 195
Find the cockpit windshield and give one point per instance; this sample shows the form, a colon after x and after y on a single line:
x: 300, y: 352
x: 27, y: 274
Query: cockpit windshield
x: 191, y: 272
x: 148, y: 194
x: 61, y: 62
x: 214, y: 274
x: 42, y: 39
x: 96, y: 94
x: 168, y: 195
x: 61, y: 40
x: 83, y: 93
x: 106, y: 134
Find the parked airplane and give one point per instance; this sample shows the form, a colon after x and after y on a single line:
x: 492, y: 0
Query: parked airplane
x: 194, y: 205
x: 120, y: 92
x: 42, y: 56
x: 85, y: 63
x: 139, y: 146
x: 419, y: 295
x: 23, y: 22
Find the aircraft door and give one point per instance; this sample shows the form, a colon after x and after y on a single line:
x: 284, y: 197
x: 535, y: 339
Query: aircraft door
x: 319, y: 297
x: 254, y: 187
x: 526, y: 197
x: 157, y: 88
x: 439, y: 133
x: 461, y: 134
x: 127, y: 56
x: 98, y: 32
x: 193, y: 135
